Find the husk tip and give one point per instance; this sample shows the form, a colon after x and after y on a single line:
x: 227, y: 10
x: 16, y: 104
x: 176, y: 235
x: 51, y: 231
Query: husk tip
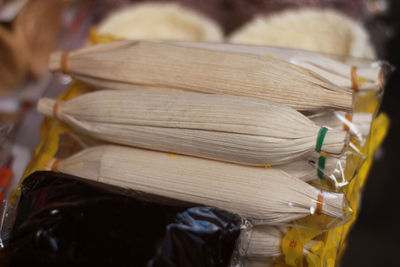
x: 336, y: 142
x: 50, y: 165
x: 54, y: 63
x: 45, y: 106
x: 334, y: 205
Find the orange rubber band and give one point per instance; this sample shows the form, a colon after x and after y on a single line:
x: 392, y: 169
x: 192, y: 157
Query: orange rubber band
x: 56, y: 110
x: 349, y: 119
x: 64, y: 62
x: 381, y: 77
x: 354, y: 79
x: 54, y: 167
x: 320, y: 203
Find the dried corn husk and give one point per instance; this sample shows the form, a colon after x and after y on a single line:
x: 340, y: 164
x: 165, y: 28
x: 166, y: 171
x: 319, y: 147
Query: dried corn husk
x: 325, y: 31
x: 359, y: 125
x: 229, y: 128
x: 120, y: 65
x: 155, y: 21
x: 261, y: 195
x: 170, y: 21
x: 363, y: 77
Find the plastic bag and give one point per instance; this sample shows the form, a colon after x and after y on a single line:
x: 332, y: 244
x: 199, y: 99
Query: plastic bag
x: 313, y: 240
x: 59, y: 140
x: 64, y: 220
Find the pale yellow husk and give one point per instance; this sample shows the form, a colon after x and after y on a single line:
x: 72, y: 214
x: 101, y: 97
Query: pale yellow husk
x: 126, y: 64
x: 368, y: 77
x: 228, y: 128
x: 259, y: 194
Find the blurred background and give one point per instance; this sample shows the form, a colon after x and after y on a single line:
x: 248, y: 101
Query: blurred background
x: 31, y: 30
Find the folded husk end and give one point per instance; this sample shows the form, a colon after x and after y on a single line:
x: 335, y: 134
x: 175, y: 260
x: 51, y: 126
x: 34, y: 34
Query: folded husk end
x: 336, y: 142
x: 55, y: 62
x: 334, y: 205
x: 45, y: 106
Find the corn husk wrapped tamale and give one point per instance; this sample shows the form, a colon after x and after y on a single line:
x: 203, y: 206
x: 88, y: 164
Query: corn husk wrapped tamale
x: 126, y: 64
x: 229, y: 128
x: 369, y: 77
x: 262, y: 195
x: 155, y: 21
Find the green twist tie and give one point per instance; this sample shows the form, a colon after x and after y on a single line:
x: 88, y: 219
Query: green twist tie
x: 321, y: 167
x: 320, y: 139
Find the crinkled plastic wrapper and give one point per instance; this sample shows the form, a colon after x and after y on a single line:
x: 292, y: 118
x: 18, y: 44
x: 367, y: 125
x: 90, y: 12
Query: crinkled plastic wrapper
x: 315, y: 240
x: 63, y: 220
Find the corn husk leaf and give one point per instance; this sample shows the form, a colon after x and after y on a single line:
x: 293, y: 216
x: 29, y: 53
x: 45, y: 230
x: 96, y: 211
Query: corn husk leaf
x: 120, y: 65
x: 368, y: 77
x: 228, y: 128
x: 261, y: 195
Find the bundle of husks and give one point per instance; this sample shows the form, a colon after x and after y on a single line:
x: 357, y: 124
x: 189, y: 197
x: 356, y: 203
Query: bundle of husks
x: 236, y: 129
x: 358, y: 78
x: 126, y: 64
x: 259, y: 194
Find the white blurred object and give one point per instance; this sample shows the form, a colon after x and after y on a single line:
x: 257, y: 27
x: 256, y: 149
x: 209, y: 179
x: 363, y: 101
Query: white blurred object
x: 378, y: 6
x: 168, y: 21
x: 10, y: 10
x: 9, y: 105
x: 324, y: 31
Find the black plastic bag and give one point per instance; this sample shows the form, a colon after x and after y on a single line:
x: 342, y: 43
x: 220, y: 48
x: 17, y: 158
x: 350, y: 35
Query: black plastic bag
x: 63, y: 220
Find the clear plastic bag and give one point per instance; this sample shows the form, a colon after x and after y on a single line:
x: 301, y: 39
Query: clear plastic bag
x: 315, y: 240
x: 340, y: 175
x: 64, y: 220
